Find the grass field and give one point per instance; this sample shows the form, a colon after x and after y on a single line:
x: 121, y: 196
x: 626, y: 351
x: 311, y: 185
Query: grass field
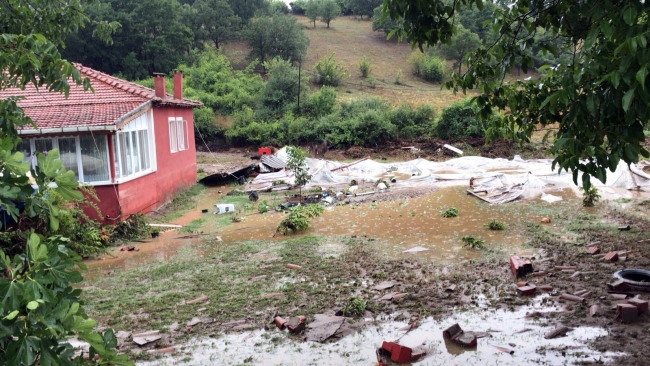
x: 351, y: 40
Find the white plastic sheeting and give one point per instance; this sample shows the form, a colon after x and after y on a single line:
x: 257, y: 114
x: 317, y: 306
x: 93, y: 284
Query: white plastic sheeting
x: 501, y: 180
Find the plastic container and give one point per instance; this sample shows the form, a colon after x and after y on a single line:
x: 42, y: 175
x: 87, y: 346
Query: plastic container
x: 224, y: 208
x: 264, y: 151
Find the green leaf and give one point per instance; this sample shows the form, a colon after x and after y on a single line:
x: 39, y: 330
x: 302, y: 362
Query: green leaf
x: 11, y: 315
x: 606, y: 28
x: 32, y: 305
x: 629, y: 15
x: 627, y: 99
x: 641, y: 75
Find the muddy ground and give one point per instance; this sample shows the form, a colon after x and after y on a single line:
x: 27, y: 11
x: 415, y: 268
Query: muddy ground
x: 247, y: 283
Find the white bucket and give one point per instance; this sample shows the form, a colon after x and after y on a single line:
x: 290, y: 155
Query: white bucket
x: 224, y: 208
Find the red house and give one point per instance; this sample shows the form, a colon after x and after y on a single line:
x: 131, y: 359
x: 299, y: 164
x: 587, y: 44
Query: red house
x: 135, y: 145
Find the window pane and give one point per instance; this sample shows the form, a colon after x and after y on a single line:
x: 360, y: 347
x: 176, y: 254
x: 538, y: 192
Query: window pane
x: 24, y: 147
x: 116, y: 151
x: 129, y: 153
x: 181, y: 139
x: 42, y: 145
x: 136, y: 151
x: 94, y: 158
x: 68, y: 154
x: 185, y: 135
x: 124, y: 156
x: 144, y: 149
x: 173, y: 140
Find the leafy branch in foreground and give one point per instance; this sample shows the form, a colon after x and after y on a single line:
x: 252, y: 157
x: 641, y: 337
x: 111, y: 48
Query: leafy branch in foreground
x: 596, y: 103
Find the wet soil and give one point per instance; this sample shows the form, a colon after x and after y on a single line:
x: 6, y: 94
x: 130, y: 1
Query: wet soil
x: 339, y: 263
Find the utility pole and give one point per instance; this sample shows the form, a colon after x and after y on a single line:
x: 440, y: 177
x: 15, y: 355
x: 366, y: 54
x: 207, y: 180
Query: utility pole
x: 299, y: 67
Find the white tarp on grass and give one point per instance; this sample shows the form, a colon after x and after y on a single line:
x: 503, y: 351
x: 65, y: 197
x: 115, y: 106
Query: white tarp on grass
x: 500, y: 180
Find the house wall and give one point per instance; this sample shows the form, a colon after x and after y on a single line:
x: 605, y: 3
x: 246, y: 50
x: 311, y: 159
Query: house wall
x: 174, y: 171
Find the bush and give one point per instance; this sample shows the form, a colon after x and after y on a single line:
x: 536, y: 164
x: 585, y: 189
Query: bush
x: 328, y: 72
x: 460, y: 120
x: 494, y: 225
x: 322, y: 102
x: 205, y: 126
x: 365, y: 67
x: 413, y: 123
x: 355, y: 306
x: 368, y: 129
x: 298, y: 218
x: 472, y: 242
x: 428, y: 67
x: 449, y: 212
x: 590, y: 196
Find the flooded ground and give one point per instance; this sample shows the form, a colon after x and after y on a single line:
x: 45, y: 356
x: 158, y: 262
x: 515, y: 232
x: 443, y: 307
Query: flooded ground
x: 395, y: 226
x: 511, y: 330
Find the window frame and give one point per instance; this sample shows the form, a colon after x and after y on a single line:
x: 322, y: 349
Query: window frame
x: 178, y: 135
x: 55, y: 145
x: 131, y: 133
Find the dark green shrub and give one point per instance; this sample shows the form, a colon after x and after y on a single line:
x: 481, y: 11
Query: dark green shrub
x: 427, y: 66
x: 368, y: 129
x: 322, y: 102
x: 412, y: 122
x: 365, y: 67
x: 328, y: 72
x: 460, y: 120
x: 205, y: 126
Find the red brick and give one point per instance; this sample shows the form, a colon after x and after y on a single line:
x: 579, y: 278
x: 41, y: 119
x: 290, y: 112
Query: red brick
x: 527, y: 290
x: 520, y: 267
x: 593, y: 250
x: 611, y: 256
x: 593, y: 310
x: 293, y: 266
x: 627, y: 312
x: 540, y: 273
x: 572, y: 298
x: 641, y: 305
x: 546, y: 288
x: 522, y: 284
x: 400, y: 354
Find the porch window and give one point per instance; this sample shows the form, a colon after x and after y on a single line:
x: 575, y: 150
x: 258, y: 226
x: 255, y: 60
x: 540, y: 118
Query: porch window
x: 178, y: 140
x: 133, y: 149
x: 86, y: 155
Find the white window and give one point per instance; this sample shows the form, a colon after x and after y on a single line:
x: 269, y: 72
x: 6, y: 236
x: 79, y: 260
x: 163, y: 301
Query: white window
x: 85, y: 155
x: 133, y: 147
x: 178, y: 134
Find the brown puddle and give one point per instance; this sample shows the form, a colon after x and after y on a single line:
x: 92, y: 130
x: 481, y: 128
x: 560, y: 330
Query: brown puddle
x: 395, y: 225
x: 511, y: 330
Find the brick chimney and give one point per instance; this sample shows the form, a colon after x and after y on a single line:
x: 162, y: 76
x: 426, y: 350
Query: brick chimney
x: 178, y: 84
x: 159, y: 85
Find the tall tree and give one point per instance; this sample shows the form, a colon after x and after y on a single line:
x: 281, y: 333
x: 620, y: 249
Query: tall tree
x: 463, y: 42
x: 599, y: 99
x: 312, y: 9
x: 276, y: 36
x: 246, y: 9
x: 363, y: 7
x: 216, y: 21
x: 386, y: 24
x: 280, y: 93
x: 329, y: 10
x: 40, y: 310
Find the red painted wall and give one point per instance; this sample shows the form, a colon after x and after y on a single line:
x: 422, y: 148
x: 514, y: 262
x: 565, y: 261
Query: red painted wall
x: 174, y: 172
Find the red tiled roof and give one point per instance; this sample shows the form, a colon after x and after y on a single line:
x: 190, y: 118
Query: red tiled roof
x: 112, y: 99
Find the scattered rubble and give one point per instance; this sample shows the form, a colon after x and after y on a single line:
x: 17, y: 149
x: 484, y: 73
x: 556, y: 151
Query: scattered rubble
x: 456, y: 334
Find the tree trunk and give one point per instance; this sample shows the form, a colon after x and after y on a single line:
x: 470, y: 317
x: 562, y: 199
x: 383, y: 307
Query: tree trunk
x: 328, y: 25
x: 460, y: 64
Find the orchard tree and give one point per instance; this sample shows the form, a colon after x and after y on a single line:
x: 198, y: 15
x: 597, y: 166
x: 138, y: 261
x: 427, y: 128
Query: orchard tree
x: 40, y: 310
x: 329, y: 10
x: 297, y: 163
x: 312, y: 10
x: 462, y: 43
x: 215, y: 21
x: 276, y: 36
x: 598, y: 99
x: 363, y: 7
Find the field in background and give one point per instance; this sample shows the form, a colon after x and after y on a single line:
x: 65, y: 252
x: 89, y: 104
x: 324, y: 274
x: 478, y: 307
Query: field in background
x: 351, y: 40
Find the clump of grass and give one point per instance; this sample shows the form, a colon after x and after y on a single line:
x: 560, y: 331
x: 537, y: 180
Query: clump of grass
x: 365, y: 67
x: 355, y: 306
x: 193, y: 226
x: 472, y: 242
x: 590, y: 196
x: 494, y: 225
x: 263, y: 207
x: 449, y: 212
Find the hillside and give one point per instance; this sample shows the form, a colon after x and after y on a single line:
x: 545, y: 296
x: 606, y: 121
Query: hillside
x: 351, y: 40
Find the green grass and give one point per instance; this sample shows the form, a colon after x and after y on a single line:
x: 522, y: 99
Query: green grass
x: 184, y: 201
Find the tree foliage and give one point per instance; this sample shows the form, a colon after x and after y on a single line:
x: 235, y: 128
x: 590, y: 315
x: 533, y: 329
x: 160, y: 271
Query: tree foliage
x: 329, y: 10
x: 276, y: 36
x: 312, y: 10
x: 460, y: 119
x: 462, y: 43
x: 384, y: 24
x: 215, y: 21
x: 297, y: 163
x: 280, y: 92
x: 39, y: 309
x: 363, y: 7
x: 598, y: 97
x: 328, y: 72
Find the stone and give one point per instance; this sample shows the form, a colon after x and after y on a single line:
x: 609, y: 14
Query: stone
x: 557, y: 332
x: 384, y: 285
